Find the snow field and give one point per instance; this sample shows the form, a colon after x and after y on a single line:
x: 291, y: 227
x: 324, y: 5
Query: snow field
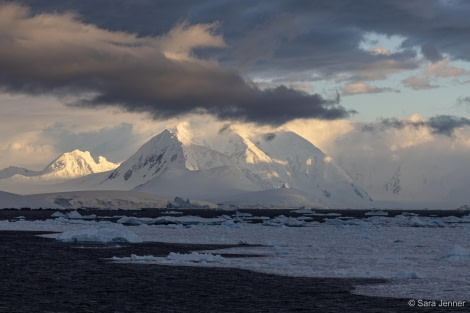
x: 423, y: 257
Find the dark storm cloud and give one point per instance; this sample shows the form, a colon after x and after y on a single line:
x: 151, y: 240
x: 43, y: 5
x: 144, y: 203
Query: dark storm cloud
x: 430, y: 52
x: 439, y: 124
x: 263, y: 39
x: 59, y: 54
x: 227, y: 100
x: 280, y: 36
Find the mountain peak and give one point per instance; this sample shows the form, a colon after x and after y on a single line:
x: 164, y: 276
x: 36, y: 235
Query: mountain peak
x: 68, y: 165
x: 169, y: 149
x: 75, y: 164
x: 160, y: 151
x: 79, y: 152
x: 212, y: 167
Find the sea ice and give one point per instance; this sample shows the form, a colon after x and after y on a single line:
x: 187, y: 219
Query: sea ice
x: 175, y: 258
x: 100, y: 235
x: 282, y: 220
x: 76, y: 215
x: 456, y: 253
x: 181, y: 220
x: 430, y: 261
x: 57, y: 214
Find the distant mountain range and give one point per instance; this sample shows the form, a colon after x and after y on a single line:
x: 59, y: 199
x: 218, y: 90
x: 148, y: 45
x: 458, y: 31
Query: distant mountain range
x: 275, y: 169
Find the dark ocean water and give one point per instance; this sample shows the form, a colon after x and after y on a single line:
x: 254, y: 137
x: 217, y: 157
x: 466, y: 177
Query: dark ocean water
x: 41, y: 275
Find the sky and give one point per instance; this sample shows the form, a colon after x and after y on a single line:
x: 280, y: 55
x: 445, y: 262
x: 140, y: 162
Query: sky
x: 382, y: 86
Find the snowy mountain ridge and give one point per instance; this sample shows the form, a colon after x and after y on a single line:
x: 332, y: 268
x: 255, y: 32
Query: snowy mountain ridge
x: 393, y: 185
x: 76, y: 164
x: 221, y: 167
x: 161, y: 152
x: 176, y: 163
x: 14, y: 170
x: 67, y: 166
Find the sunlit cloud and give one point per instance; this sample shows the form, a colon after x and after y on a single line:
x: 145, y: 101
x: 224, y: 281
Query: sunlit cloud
x: 363, y: 88
x: 58, y: 54
x: 418, y: 83
x: 443, y: 69
x: 380, y: 51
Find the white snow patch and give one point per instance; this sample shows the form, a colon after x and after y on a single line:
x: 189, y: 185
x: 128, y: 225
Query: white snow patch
x: 182, y: 220
x: 57, y: 214
x: 77, y: 215
x: 196, y: 257
x: 100, y: 235
x: 175, y: 258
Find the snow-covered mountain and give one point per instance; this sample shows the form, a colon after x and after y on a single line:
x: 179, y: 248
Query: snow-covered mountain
x: 180, y: 165
x: 162, y: 152
x: 230, y: 164
x: 76, y: 164
x: 67, y: 166
x: 275, y: 169
x: 393, y: 185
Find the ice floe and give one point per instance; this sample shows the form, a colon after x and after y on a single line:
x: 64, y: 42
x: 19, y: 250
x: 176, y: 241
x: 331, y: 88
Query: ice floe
x: 174, y: 258
x: 100, y: 235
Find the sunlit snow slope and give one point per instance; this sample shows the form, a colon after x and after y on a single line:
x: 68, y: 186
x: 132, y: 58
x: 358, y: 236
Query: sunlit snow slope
x: 67, y: 166
x: 273, y: 169
x: 229, y: 166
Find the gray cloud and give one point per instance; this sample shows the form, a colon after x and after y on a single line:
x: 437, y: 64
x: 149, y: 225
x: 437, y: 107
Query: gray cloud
x: 430, y: 52
x: 105, y: 141
x: 432, y: 169
x: 278, y: 37
x: 439, y: 124
x: 273, y: 40
x: 159, y: 75
x: 446, y: 124
x: 463, y: 100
